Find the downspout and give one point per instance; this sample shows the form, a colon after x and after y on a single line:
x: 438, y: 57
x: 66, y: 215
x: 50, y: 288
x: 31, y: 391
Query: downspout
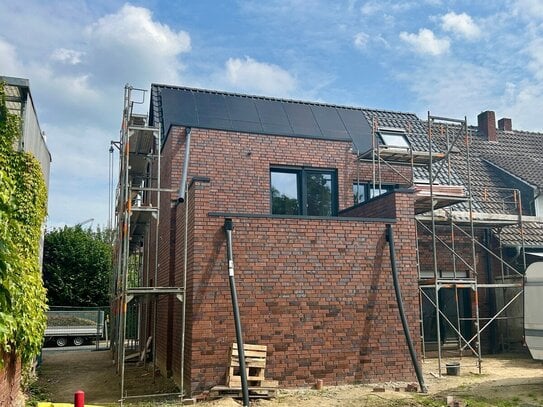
x: 490, y: 291
x: 228, y: 228
x: 182, y: 187
x: 418, y: 371
x: 182, y: 196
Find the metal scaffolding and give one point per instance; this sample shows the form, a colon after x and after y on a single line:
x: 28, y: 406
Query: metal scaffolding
x: 440, y: 210
x: 135, y: 289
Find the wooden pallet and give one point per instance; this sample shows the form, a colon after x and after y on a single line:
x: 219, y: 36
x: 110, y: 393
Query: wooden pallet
x: 236, y: 392
x: 255, y: 365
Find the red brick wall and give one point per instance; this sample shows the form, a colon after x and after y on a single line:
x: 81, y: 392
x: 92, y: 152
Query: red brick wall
x: 317, y: 292
x: 10, y: 380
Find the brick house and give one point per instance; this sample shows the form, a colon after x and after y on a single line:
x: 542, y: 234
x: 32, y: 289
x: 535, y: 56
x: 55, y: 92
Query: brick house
x: 310, y: 200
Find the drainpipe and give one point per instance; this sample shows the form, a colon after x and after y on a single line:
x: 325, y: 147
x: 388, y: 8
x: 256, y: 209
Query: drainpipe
x: 182, y: 187
x: 418, y: 371
x: 228, y: 228
x: 490, y: 291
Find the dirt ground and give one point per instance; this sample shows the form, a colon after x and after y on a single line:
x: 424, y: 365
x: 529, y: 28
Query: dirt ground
x: 506, y: 381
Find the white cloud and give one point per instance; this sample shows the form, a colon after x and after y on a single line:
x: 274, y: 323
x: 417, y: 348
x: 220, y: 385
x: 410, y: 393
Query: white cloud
x: 361, y: 40
x: 425, y: 42
x: 529, y: 9
x: 68, y: 56
x: 249, y: 75
x: 130, y: 46
x: 371, y: 7
x: 461, y: 25
x: 453, y: 88
x: 9, y: 63
x: 375, y: 6
x: 534, y: 50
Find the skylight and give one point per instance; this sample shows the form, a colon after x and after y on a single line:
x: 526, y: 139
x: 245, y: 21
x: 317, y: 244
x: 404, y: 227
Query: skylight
x: 394, y: 139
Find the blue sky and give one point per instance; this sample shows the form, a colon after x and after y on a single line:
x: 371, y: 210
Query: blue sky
x: 454, y: 58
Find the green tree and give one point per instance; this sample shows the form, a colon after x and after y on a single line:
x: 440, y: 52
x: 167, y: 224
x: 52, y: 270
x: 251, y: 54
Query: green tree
x: 77, y: 266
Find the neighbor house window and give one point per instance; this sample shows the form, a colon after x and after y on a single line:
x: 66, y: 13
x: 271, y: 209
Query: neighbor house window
x: 394, y: 139
x: 365, y: 191
x: 303, y: 191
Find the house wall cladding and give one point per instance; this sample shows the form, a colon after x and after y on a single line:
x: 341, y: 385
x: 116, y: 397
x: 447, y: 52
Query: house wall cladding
x: 318, y: 292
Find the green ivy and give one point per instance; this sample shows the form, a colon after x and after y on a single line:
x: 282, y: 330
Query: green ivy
x: 23, y: 198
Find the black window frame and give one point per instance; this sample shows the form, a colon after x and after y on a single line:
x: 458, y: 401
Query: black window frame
x: 301, y: 178
x: 368, y: 187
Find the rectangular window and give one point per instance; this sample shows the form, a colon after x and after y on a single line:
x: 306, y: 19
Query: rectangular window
x: 303, y: 191
x: 285, y: 192
x: 365, y: 191
x: 394, y: 139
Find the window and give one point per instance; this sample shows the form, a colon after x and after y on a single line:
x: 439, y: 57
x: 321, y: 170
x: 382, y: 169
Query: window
x: 365, y: 191
x: 394, y: 139
x: 303, y: 191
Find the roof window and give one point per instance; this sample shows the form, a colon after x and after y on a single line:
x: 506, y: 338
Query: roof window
x: 394, y: 138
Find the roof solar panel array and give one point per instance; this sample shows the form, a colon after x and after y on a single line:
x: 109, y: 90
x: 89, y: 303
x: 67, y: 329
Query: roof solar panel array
x: 252, y: 114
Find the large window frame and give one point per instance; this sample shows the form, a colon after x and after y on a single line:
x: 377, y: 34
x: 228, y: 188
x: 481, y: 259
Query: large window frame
x: 302, y: 174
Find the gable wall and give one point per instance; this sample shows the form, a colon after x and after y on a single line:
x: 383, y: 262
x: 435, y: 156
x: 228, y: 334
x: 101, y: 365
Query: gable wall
x: 317, y: 292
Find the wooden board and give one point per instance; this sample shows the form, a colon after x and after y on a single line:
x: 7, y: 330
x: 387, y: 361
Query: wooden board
x: 236, y: 392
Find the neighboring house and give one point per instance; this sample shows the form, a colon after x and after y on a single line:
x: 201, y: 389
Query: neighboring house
x: 310, y: 188
x: 19, y: 102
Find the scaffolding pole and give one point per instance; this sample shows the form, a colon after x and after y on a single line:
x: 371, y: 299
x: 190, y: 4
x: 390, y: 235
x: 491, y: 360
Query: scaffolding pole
x: 137, y: 228
x: 457, y: 282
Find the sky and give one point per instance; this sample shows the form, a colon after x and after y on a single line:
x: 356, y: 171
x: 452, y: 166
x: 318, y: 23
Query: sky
x: 454, y: 58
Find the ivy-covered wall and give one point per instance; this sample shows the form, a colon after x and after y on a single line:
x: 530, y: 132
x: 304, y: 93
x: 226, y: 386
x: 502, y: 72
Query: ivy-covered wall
x: 23, y: 198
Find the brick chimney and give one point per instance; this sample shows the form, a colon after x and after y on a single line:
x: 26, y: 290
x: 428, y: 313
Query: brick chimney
x: 487, y: 125
x: 505, y: 124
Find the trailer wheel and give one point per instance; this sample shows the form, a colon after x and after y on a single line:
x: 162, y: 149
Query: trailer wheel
x: 61, y: 341
x: 79, y: 340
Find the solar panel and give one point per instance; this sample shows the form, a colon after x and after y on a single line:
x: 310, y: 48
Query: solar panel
x: 273, y: 117
x: 178, y: 107
x: 302, y: 120
x: 329, y: 122
x: 243, y: 113
x: 358, y: 128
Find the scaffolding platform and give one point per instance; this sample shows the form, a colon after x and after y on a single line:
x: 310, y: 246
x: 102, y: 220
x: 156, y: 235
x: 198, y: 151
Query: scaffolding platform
x: 401, y: 155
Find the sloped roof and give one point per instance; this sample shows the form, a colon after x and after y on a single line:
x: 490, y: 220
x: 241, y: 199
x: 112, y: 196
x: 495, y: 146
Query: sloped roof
x: 182, y: 106
x: 532, y: 231
x: 518, y: 154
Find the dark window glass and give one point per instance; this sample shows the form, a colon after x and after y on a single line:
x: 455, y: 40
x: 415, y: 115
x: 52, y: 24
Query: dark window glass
x: 285, y: 192
x: 365, y: 191
x: 319, y: 193
x: 359, y: 193
x: 303, y: 191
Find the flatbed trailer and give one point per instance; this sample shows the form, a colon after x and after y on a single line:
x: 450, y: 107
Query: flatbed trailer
x: 76, y: 327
